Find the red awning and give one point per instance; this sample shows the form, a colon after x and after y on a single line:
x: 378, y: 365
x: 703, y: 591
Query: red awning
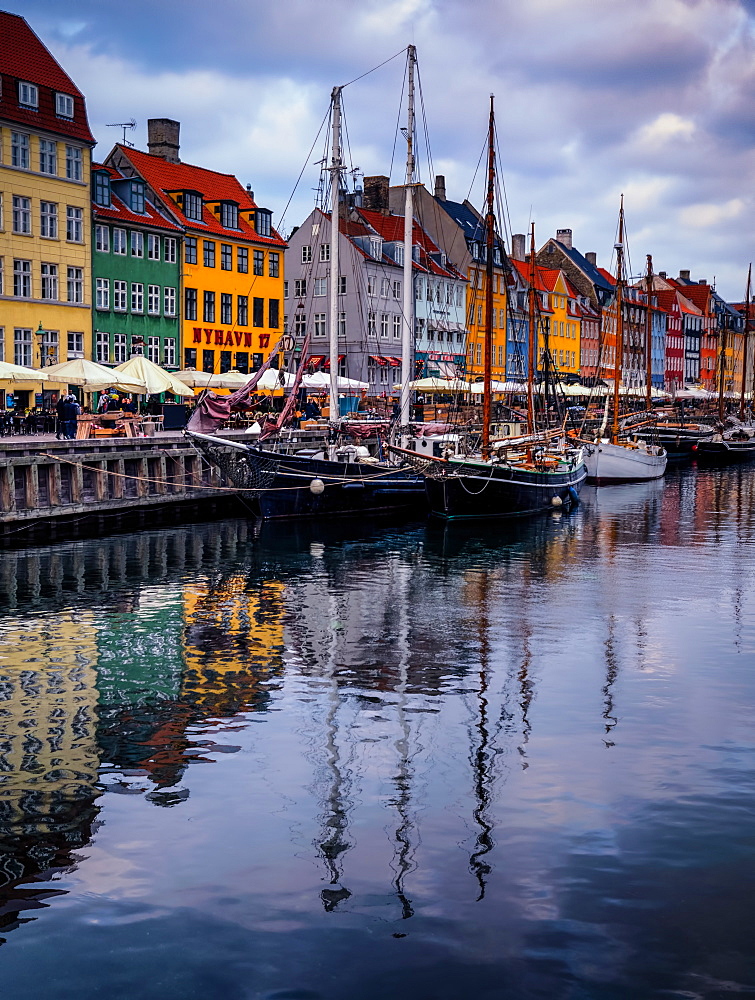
x: 326, y: 365
x: 315, y: 359
x: 396, y: 362
x: 381, y: 361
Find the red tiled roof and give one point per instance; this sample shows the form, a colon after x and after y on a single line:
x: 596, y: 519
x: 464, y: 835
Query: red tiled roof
x: 545, y: 277
x: 607, y: 275
x: 119, y: 212
x: 24, y: 57
x: 699, y: 294
x: 391, y: 229
x: 164, y: 177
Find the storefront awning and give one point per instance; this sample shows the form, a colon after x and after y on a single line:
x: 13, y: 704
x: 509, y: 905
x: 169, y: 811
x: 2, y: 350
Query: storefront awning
x: 378, y: 360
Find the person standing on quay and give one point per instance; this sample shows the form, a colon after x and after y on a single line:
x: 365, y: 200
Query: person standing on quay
x: 71, y: 412
x: 60, y: 430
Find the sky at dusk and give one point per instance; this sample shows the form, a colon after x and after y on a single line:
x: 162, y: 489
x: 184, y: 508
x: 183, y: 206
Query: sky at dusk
x: 653, y: 98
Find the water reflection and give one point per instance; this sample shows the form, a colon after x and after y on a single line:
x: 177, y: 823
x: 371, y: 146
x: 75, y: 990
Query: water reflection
x: 358, y: 733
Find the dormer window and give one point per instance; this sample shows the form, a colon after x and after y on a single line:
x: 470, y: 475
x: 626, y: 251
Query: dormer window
x: 229, y: 215
x: 28, y: 95
x: 137, y: 197
x: 415, y: 253
x: 102, y: 189
x: 376, y: 247
x: 64, y: 105
x: 400, y: 253
x: 264, y: 222
x: 193, y: 205
x: 443, y: 261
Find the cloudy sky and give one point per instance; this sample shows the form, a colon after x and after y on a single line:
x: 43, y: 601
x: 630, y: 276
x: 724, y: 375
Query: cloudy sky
x: 652, y: 98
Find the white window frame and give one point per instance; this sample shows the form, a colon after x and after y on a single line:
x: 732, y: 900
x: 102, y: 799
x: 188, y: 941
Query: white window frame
x: 306, y: 254
x: 101, y: 347
x: 137, y: 297
x: 75, y: 284
x: 75, y: 344
x: 49, y: 278
x: 120, y: 241
x: 48, y: 220
x: 169, y: 301
x: 324, y: 252
x: 120, y: 295
x: 21, y: 215
x: 153, y: 301
x: 320, y: 328
x: 23, y: 347
x: 48, y: 157
x: 384, y: 326
x: 170, y: 250
x: 22, y: 278
x: 74, y: 163
x: 120, y: 348
x: 102, y: 293
x: 28, y: 94
x: 397, y: 327
x: 153, y: 348
x: 64, y: 105
x: 397, y: 290
x: 102, y: 239
x: 169, y: 352
x: 74, y: 224
x: 320, y: 287
x: 153, y: 246
x: 19, y: 150
x: 137, y: 243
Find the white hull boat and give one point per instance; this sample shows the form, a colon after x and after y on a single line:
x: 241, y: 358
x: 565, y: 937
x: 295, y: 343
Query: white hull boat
x: 628, y: 462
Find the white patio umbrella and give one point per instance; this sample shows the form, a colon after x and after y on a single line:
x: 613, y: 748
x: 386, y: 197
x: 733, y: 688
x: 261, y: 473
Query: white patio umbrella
x: 321, y: 380
x: 156, y: 379
x: 479, y: 387
x: 196, y: 379
x: 434, y: 384
x: 19, y: 373
x: 91, y: 376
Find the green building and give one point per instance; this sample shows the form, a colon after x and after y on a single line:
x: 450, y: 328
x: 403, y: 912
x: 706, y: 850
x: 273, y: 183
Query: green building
x: 136, y: 254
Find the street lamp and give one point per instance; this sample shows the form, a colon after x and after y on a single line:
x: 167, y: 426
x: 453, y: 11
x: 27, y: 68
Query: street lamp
x: 40, y: 334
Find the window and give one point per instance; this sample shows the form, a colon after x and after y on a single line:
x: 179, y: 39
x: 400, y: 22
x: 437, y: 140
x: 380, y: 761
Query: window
x: 226, y: 257
x: 397, y: 328
x: 169, y: 347
x: 242, y: 310
x: 242, y: 361
x: 321, y: 287
x: 259, y: 262
x: 306, y: 254
x: 300, y: 326
x: 75, y: 282
x: 342, y: 285
x: 190, y: 303
x: 22, y: 279
x: 376, y: 247
x: 169, y: 246
x: 102, y: 293
x: 258, y: 312
x: 193, y: 205
x: 75, y: 345
x: 49, y: 274
x: 264, y: 222
x: 273, y: 313
x: 74, y: 224
x: 419, y: 287
x: 229, y: 215
x: 21, y: 215
x: 208, y: 250
x: 102, y: 189
x: 48, y: 157
x: 102, y: 238
x: 190, y: 250
x: 153, y: 349
x: 137, y: 243
x: 285, y: 289
x: 101, y: 347
x: 300, y: 288
x: 397, y: 289
x: 371, y: 284
x: 169, y: 298
x: 74, y: 165
x: 208, y: 312
x: 64, y: 105
x: 48, y: 219
x: 120, y: 296
x: 22, y: 349
x: 137, y: 197
x: 226, y: 308
x: 120, y: 353
x: 384, y: 322
x: 119, y: 241
x: 28, y: 95
x: 137, y: 297
x: 385, y: 287
x: 273, y: 264
x: 342, y: 324
x: 371, y: 324
x: 325, y: 251
x: 153, y: 247
x: 242, y: 260
x: 153, y: 300
x: 19, y: 150
x: 320, y: 326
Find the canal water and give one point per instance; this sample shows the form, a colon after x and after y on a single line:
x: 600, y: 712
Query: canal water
x: 369, y: 761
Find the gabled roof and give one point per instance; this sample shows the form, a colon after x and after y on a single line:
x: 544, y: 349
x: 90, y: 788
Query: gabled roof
x: 699, y: 294
x: 667, y: 298
x: 391, y: 229
x: 164, y: 178
x: 24, y: 57
x: 596, y: 275
x: 545, y: 277
x: 469, y: 221
x: 120, y: 212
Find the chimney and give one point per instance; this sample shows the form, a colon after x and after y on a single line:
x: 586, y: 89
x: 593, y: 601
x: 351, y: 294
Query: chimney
x: 684, y: 276
x: 662, y: 274
x: 564, y: 236
x: 440, y: 187
x: 162, y: 138
x: 592, y: 258
x: 375, y: 195
x: 518, y: 244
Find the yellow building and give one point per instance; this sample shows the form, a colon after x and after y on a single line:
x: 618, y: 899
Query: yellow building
x: 45, y: 248
x: 232, y: 276
x: 476, y: 304
x: 565, y: 332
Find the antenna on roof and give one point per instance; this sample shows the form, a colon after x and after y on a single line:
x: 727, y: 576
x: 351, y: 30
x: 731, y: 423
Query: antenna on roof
x: 124, y: 125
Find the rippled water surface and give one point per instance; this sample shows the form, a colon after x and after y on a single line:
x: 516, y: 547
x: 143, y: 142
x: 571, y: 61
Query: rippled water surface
x: 370, y: 761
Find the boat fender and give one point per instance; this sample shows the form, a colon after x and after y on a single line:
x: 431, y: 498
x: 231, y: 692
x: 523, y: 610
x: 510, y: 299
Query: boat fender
x: 573, y: 495
x: 556, y: 501
x: 317, y: 486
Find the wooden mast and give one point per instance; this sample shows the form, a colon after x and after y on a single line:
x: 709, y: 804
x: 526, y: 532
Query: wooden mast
x: 649, y: 336
x: 743, y: 391
x: 722, y: 374
x: 618, y: 361
x: 489, y: 234
x: 532, y: 344
x: 407, y: 329
x: 336, y: 166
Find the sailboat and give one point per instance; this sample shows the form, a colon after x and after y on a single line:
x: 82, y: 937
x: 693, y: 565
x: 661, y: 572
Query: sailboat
x: 733, y: 440
x: 338, y: 478
x: 624, y: 457
x: 513, y: 476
